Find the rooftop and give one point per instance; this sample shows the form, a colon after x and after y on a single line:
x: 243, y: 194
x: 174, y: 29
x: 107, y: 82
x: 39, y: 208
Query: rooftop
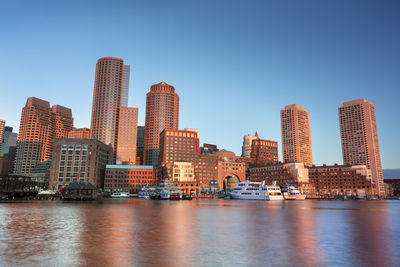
x: 118, y: 166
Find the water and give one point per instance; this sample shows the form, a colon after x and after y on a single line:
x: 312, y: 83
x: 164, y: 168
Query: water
x: 136, y: 232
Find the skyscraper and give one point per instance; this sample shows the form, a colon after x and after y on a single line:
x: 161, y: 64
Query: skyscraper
x: 107, y: 97
x: 2, y: 125
x: 162, y: 112
x: 39, y: 125
x: 359, y: 136
x: 296, y: 135
x: 112, y: 119
x: 8, y: 146
x: 125, y: 86
x: 127, y: 136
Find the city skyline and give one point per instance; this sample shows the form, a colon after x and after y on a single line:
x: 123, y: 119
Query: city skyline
x: 247, y: 97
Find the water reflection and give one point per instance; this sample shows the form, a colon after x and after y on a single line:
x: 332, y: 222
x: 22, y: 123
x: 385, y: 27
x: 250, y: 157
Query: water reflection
x: 138, y: 232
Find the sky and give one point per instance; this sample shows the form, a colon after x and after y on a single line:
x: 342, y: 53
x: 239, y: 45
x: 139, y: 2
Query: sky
x: 234, y: 64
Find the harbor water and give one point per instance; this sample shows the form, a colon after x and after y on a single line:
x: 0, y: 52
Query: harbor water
x: 137, y: 232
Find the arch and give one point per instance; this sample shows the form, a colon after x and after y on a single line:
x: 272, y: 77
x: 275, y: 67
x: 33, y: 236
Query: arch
x: 229, y: 182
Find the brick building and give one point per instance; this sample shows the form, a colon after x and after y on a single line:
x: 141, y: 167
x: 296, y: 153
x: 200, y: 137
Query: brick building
x: 222, y: 168
x: 127, y: 136
x: 342, y: 180
x: 284, y: 174
x: 81, y: 160
x: 264, y: 152
x: 79, y: 133
x: 127, y: 178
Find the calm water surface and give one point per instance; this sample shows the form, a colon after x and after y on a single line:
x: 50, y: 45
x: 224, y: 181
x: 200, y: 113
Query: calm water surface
x: 136, y: 232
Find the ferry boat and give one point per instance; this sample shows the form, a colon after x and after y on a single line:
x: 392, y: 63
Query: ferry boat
x: 169, y: 191
x: 256, y: 191
x: 292, y: 193
x: 120, y: 195
x: 146, y: 192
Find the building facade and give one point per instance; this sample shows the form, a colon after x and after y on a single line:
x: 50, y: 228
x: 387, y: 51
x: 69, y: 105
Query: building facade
x: 125, y: 86
x: 2, y: 125
x: 264, y: 152
x: 82, y: 133
x: 296, y: 135
x: 294, y: 173
x: 81, y: 160
x: 140, y: 144
x: 344, y: 180
x: 9, y: 143
x: 247, y: 143
x: 107, y: 97
x: 39, y: 125
x: 221, y: 169
x: 162, y: 112
x: 359, y: 137
x: 127, y: 178
x: 127, y: 136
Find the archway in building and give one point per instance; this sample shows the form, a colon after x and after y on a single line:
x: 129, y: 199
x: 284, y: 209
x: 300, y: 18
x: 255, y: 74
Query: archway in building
x: 230, y: 182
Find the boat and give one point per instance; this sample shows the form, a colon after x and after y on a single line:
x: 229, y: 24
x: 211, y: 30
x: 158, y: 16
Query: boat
x: 146, y: 192
x: 167, y: 190
x: 256, y: 191
x: 120, y: 195
x: 292, y: 193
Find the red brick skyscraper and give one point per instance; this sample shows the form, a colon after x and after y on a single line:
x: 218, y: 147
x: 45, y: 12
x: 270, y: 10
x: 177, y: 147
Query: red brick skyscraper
x: 296, y: 135
x: 162, y: 112
x: 39, y: 125
x: 359, y: 136
x: 107, y: 100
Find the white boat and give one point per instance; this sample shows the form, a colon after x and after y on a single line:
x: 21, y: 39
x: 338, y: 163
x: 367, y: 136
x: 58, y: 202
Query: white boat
x: 167, y: 190
x: 293, y: 193
x: 120, y: 195
x: 146, y: 192
x: 256, y: 191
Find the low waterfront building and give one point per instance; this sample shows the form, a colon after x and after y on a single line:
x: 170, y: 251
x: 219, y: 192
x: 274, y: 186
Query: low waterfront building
x: 126, y: 178
x: 342, y: 180
x: 41, y: 172
x: 284, y: 174
x: 392, y: 186
x: 181, y: 174
x: 6, y: 166
x: 79, y: 159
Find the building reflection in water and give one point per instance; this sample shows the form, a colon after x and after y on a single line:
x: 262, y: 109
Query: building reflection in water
x: 300, y: 233
x: 371, y: 233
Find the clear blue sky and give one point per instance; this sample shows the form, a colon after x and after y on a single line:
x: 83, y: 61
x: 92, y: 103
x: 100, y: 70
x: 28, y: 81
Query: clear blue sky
x: 234, y: 64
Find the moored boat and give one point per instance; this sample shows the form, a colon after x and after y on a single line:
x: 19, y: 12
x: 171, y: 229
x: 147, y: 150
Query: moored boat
x: 292, y: 193
x: 256, y: 191
x: 120, y: 195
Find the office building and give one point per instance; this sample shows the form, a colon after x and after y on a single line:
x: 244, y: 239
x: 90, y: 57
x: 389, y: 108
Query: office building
x: 162, y: 112
x: 125, y: 86
x: 127, y: 136
x: 81, y: 160
x: 9, y: 143
x: 296, y: 135
x: 247, y: 142
x: 81, y: 133
x: 359, y: 137
x: 264, y: 152
x: 140, y: 144
x: 39, y: 125
x: 2, y: 125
